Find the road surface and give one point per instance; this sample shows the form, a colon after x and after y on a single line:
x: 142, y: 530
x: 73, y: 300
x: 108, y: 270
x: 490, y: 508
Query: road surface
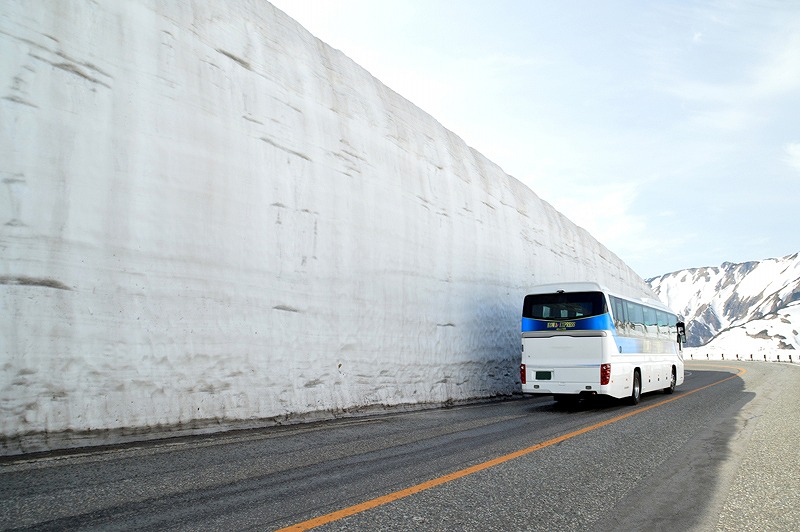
x: 719, y: 454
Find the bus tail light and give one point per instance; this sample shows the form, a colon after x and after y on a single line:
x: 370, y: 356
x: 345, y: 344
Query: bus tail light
x: 522, y: 373
x: 605, y: 374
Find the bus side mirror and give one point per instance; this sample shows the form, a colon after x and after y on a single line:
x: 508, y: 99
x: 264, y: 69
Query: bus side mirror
x: 681, y: 327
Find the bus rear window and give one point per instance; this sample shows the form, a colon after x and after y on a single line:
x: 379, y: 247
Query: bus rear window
x: 568, y: 305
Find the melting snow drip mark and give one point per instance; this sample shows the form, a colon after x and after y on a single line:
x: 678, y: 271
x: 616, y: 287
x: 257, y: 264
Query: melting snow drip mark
x: 353, y: 155
x: 251, y: 119
x: 285, y: 308
x: 88, y: 65
x: 74, y: 69
x: 242, y: 62
x: 273, y: 143
x: 33, y: 281
x: 17, y: 99
x: 16, y: 185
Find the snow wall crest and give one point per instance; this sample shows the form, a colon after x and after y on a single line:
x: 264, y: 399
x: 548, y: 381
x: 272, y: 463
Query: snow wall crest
x: 209, y: 217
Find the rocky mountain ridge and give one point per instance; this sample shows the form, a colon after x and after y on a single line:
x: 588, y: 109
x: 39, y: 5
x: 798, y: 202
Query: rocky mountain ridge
x: 746, y: 307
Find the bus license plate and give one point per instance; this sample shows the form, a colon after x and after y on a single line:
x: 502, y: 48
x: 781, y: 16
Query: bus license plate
x: 544, y: 375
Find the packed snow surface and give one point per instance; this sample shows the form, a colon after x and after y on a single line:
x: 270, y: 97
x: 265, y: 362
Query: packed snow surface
x: 209, y: 216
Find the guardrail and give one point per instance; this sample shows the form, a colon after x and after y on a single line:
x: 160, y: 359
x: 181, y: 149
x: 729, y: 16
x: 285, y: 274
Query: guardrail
x: 761, y: 356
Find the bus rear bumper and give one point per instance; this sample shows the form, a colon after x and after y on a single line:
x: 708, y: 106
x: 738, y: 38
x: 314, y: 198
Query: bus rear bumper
x: 564, y: 388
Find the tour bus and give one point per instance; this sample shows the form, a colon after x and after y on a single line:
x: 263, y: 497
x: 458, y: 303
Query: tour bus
x: 580, y: 339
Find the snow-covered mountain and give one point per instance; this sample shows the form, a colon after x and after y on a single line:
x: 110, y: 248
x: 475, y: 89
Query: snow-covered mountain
x: 752, y: 308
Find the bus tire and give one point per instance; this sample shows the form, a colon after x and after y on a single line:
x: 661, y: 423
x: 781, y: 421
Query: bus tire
x: 636, y: 388
x: 671, y: 388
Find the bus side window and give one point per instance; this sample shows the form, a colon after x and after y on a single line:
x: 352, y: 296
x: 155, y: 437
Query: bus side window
x: 615, y: 312
x: 663, y: 324
x: 650, y: 321
x: 635, y: 316
x: 673, y: 320
x: 620, y: 318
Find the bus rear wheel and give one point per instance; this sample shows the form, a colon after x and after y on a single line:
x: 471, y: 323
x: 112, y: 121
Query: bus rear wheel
x: 673, y: 380
x: 636, y: 389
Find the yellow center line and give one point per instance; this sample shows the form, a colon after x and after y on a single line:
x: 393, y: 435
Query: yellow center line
x: 384, y: 499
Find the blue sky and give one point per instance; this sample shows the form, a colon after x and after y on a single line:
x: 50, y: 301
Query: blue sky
x: 669, y: 130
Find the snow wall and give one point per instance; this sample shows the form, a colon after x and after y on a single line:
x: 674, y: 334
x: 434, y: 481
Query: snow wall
x: 211, y: 219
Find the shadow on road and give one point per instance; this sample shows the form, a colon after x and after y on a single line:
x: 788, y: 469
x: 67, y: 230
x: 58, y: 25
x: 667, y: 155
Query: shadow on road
x: 686, y: 488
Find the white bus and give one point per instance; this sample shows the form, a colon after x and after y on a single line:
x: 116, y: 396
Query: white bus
x: 581, y: 339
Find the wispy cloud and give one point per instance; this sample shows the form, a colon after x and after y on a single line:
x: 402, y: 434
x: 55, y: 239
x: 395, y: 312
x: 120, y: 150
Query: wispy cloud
x: 725, y: 83
x: 607, y: 212
x: 792, y: 157
x: 583, y: 206
x: 725, y: 119
x: 780, y: 72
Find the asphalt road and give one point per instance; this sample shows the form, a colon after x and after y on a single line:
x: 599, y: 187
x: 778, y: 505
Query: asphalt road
x: 719, y: 454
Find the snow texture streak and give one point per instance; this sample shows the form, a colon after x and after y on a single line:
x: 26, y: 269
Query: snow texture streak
x: 209, y: 216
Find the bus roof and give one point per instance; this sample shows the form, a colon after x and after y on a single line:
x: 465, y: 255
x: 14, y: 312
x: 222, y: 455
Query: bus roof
x: 567, y: 287
x: 589, y: 286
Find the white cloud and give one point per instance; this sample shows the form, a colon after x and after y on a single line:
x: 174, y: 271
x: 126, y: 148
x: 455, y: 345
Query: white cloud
x: 725, y: 84
x: 792, y: 156
x: 601, y: 209
x: 780, y: 73
x: 729, y: 119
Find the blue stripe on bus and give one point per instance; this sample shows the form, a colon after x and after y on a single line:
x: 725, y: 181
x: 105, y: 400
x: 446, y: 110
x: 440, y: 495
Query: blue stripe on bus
x: 602, y: 322
x: 595, y: 323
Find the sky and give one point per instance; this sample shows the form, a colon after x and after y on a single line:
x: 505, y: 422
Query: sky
x: 669, y: 130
